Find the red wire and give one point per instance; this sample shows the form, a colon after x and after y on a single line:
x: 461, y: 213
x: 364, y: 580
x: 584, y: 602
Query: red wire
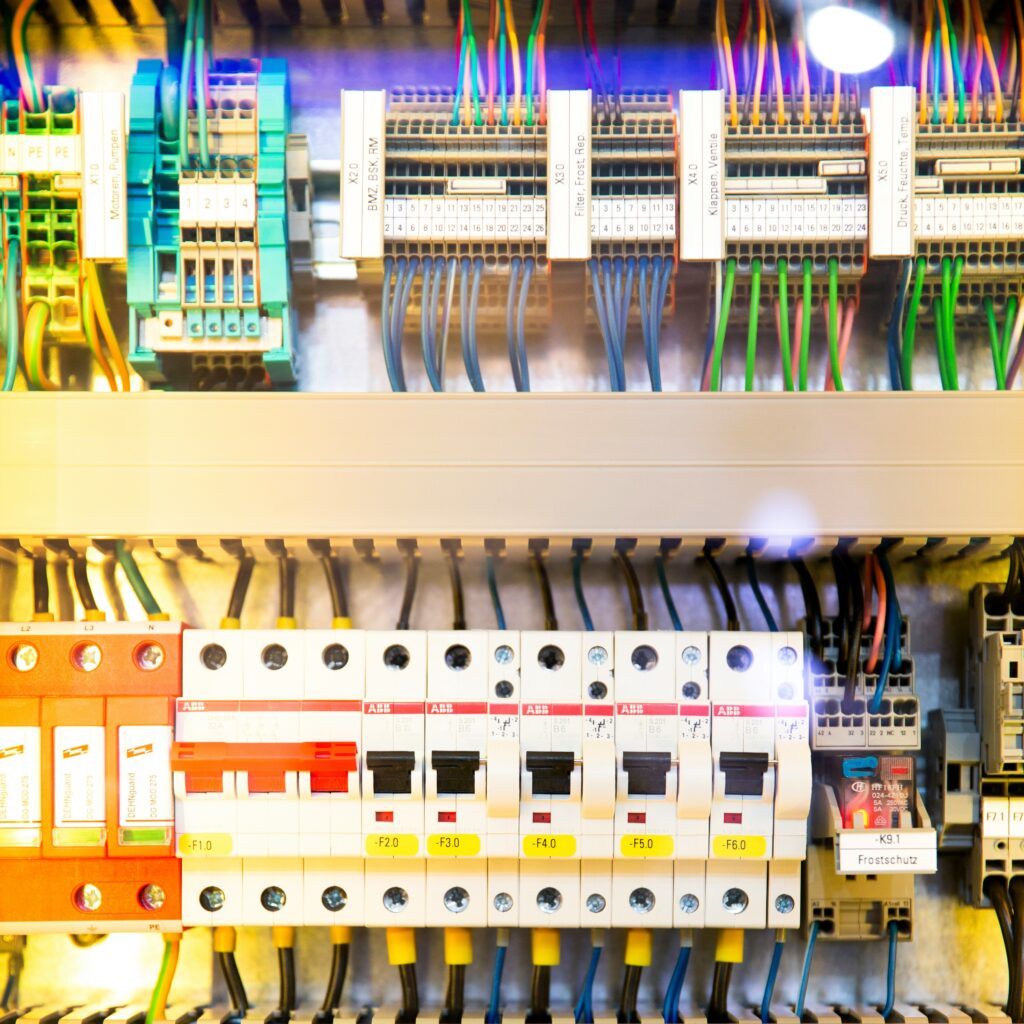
x: 579, y: 25
x: 592, y: 33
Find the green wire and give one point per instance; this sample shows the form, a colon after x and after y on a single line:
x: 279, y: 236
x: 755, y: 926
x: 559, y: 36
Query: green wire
x: 1011, y: 313
x: 755, y: 308
x: 833, y: 321
x: 33, y: 89
x: 474, y: 60
x: 531, y: 44
x: 165, y: 965
x: 787, y: 367
x: 911, y: 325
x: 957, y: 71
x: 805, y: 325
x: 938, y: 314
x: 935, y: 77
x: 10, y: 304
x: 723, y: 321
x: 169, y: 86
x: 673, y: 612
x: 953, y: 370
x: 138, y: 584
x: 994, y: 341
x: 202, y: 95
x: 184, y: 86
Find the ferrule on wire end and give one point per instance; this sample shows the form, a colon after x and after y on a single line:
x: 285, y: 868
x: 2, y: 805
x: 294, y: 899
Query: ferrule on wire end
x: 638, y: 947
x: 341, y: 935
x: 95, y: 615
x: 341, y: 623
x: 159, y: 617
x: 780, y: 934
x: 283, y: 936
x: 597, y: 938
x: 546, y: 946
x: 224, y: 939
x: 287, y: 622
x: 458, y: 946
x: 502, y: 937
x: 729, y: 946
x: 401, y: 946
x: 686, y: 937
x: 42, y: 617
x: 229, y: 623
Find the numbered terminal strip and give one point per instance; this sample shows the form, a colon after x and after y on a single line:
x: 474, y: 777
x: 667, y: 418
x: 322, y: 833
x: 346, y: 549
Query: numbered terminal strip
x: 209, y: 288
x: 86, y: 807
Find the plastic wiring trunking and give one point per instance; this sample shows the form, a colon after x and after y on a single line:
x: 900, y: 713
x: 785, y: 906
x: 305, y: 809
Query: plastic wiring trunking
x: 86, y: 811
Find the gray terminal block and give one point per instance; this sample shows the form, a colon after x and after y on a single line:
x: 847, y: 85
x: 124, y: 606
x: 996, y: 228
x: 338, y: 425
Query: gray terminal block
x: 954, y: 760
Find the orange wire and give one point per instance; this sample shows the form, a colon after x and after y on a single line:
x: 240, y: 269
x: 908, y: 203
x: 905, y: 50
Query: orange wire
x: 981, y: 31
x: 837, y: 90
x: 876, y: 640
x: 947, y: 63
x: 1018, y: 15
x: 725, y: 49
x: 517, y: 68
x: 801, y: 53
x: 492, y: 59
x: 780, y: 97
x: 542, y: 65
x: 762, y: 46
x: 926, y: 43
x: 868, y: 580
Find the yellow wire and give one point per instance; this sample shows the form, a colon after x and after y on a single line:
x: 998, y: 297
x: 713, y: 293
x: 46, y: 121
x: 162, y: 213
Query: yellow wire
x: 762, y: 46
x: 517, y: 74
x: 164, y: 986
x: 33, y: 100
x: 801, y: 52
x: 89, y: 327
x: 981, y: 29
x: 35, y: 329
x: 1019, y: 17
x: 725, y: 46
x: 106, y: 327
x: 947, y: 62
x: 780, y: 98
x: 837, y: 91
x: 926, y: 44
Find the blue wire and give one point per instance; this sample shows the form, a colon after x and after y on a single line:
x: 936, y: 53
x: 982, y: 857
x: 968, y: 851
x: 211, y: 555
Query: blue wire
x: 449, y: 292
x: 577, y: 586
x: 398, y: 321
x: 524, y: 291
x: 474, y: 305
x: 435, y: 294
x: 385, y: 323
x: 673, y: 613
x: 510, y: 323
x: 595, y: 287
x: 890, y: 974
x: 895, y: 323
x: 584, y: 1008
x: 468, y: 312
x: 625, y: 302
x: 755, y: 586
x: 502, y: 73
x: 667, y: 269
x: 493, y: 1015
x: 812, y: 937
x: 769, y: 985
x: 643, y: 300
x: 893, y: 624
x: 670, y: 1007
x: 611, y: 315
x: 428, y: 358
x: 499, y: 614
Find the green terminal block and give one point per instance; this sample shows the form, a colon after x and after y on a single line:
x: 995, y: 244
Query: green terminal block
x: 209, y: 287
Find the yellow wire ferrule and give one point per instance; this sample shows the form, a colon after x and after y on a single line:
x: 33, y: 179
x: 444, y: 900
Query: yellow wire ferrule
x: 229, y: 623
x: 42, y: 616
x: 341, y: 623
x: 159, y: 617
x: 95, y: 615
x: 638, y: 947
x: 223, y: 939
x: 780, y: 934
x: 283, y: 936
x: 729, y: 946
x: 458, y: 946
x: 546, y: 947
x: 341, y: 934
x: 287, y: 622
x: 401, y: 946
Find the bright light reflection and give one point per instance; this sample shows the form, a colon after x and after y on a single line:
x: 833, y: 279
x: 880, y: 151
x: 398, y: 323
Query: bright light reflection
x: 849, y: 41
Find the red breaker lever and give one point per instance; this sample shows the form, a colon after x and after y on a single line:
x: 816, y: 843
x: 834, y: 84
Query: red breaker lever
x: 328, y: 764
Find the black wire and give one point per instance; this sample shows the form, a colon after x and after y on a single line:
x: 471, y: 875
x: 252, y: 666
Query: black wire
x: 340, y: 959
x: 1014, y: 588
x: 855, y: 627
x: 630, y: 991
x: 550, y: 618
x: 843, y: 616
x: 327, y: 1006
x: 410, y: 995
x: 412, y: 571
x: 458, y: 599
x: 80, y: 573
x: 287, y: 568
x: 233, y: 981
x: 455, y: 996
x: 718, y: 1006
x: 540, y: 995
x: 241, y: 586
x: 636, y: 595
x: 732, y: 619
x: 1015, y: 1006
x: 40, y: 585
x: 335, y: 586
x: 812, y: 605
x: 998, y: 895
x: 286, y: 973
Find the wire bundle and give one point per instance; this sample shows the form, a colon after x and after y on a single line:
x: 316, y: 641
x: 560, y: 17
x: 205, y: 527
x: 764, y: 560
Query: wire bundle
x: 515, y: 319
x: 436, y: 272
x: 652, y: 291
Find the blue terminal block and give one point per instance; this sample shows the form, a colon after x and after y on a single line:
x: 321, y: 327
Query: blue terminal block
x: 209, y: 284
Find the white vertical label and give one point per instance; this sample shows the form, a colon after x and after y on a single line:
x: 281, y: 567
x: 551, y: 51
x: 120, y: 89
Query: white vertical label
x: 104, y: 219
x: 79, y: 779
x: 701, y: 159
x: 891, y: 171
x: 362, y: 174
x: 20, y: 803
x: 569, y: 144
x: 145, y: 795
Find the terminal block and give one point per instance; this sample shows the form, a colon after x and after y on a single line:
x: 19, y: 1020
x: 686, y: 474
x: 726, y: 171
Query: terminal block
x: 839, y: 724
x: 86, y: 807
x: 948, y: 191
x: 209, y: 288
x: 793, y: 191
x: 955, y: 771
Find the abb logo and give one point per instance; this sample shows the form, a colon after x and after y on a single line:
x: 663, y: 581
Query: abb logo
x: 191, y: 705
x: 82, y: 748
x: 728, y: 710
x: 145, y: 748
x: 536, y: 709
x: 380, y: 708
x: 441, y: 709
x: 629, y: 709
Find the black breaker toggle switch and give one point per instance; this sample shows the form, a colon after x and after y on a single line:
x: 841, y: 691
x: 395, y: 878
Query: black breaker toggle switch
x: 456, y: 771
x: 646, y: 771
x: 551, y: 771
x: 392, y: 770
x: 744, y: 773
